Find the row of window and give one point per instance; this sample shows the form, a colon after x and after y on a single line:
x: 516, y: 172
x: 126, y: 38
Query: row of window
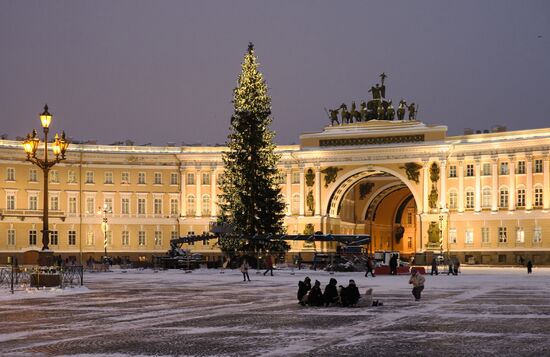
x: 503, y: 169
x: 90, y: 238
x: 486, y: 198
x: 502, y: 235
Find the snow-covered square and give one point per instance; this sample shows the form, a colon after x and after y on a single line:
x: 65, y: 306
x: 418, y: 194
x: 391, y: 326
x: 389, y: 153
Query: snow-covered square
x: 482, y: 311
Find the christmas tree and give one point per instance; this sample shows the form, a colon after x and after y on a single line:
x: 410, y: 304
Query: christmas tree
x: 250, y: 199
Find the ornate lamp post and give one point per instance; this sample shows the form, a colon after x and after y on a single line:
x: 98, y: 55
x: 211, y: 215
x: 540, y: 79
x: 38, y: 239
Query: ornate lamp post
x: 59, y: 147
x: 105, y: 226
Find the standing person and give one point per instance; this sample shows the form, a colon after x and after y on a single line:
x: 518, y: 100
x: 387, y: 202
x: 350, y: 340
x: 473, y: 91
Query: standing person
x: 315, y: 296
x: 451, y: 267
x: 268, y: 265
x: 393, y: 264
x: 417, y: 281
x: 303, y: 288
x: 331, y: 292
x: 244, y: 270
x: 457, y: 266
x: 370, y: 267
x: 434, y: 267
x: 529, y: 267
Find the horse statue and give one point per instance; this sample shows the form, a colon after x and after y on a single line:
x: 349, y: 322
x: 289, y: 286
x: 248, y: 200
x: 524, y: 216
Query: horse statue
x: 355, y: 115
x: 346, y: 116
x: 401, y: 110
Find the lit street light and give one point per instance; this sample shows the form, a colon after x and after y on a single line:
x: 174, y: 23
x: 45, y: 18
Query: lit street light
x: 59, y: 147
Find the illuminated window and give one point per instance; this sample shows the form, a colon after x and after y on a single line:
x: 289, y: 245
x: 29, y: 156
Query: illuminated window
x: 11, y: 236
x: 485, y: 238
x: 108, y: 177
x: 469, y: 238
x: 486, y: 197
x: 537, y: 234
x: 141, y: 178
x: 504, y: 168
x: 520, y: 235
x: 502, y: 235
x: 158, y: 238
x: 452, y: 235
x: 141, y: 238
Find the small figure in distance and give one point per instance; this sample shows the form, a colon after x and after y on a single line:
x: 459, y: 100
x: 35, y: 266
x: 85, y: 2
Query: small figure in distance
x: 315, y: 296
x: 417, y: 281
x: 268, y: 265
x: 330, y: 295
x: 303, y: 288
x: 529, y: 267
x: 244, y: 270
x: 370, y: 267
x: 434, y: 267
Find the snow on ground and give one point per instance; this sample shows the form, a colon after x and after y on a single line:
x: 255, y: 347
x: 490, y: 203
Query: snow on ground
x: 482, y: 311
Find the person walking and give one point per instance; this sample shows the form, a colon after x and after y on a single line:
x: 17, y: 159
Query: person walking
x: 393, y: 264
x: 268, y: 265
x: 434, y: 267
x: 244, y: 270
x: 370, y: 267
x: 529, y: 267
x: 417, y: 281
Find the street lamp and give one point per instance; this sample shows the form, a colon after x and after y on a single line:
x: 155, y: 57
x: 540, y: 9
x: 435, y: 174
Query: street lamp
x: 59, y: 147
x: 105, y: 225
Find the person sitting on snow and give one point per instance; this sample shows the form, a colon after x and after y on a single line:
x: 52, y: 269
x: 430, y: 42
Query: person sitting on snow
x: 303, y: 288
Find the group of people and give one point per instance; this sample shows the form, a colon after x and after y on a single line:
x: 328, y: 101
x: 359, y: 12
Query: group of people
x: 454, y: 266
x: 333, y: 295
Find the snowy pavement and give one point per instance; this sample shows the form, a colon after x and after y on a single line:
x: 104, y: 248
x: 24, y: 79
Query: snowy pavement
x: 481, y: 312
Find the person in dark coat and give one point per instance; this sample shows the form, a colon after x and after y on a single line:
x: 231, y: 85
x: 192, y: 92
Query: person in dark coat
x: 315, y: 296
x: 331, y: 293
x: 268, y: 265
x: 303, y: 288
x: 529, y: 267
x: 393, y: 264
x: 434, y: 267
x: 370, y: 267
x: 350, y: 294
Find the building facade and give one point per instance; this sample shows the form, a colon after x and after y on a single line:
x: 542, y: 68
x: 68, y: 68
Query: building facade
x: 484, y: 198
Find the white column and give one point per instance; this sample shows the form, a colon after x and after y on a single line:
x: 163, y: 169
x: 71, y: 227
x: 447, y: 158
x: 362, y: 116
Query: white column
x: 198, y: 201
x: 317, y: 190
x: 289, y: 191
x: 477, y: 173
x: 529, y: 182
x: 426, y: 186
x: 302, y: 190
x: 443, y: 184
x: 546, y: 183
x: 494, y: 184
x: 512, y: 184
x: 213, y: 196
x: 183, y: 199
x: 460, y: 197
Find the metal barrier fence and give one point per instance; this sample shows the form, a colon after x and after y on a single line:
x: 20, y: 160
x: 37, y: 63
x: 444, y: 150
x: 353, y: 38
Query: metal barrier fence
x: 22, y: 277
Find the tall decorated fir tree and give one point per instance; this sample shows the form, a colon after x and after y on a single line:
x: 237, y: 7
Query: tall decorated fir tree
x: 251, y: 200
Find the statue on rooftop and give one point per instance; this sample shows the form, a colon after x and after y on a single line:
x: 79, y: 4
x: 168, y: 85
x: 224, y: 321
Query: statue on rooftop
x: 401, y: 110
x: 412, y: 112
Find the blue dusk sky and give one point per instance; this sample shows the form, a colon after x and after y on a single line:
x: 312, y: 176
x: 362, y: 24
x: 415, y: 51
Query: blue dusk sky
x: 163, y: 71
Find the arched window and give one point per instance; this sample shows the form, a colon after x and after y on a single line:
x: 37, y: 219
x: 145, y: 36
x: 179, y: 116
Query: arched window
x: 205, y: 207
x: 296, y: 203
x: 503, y: 203
x: 486, y: 198
x: 453, y: 199
x: 191, y: 209
x: 469, y: 199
